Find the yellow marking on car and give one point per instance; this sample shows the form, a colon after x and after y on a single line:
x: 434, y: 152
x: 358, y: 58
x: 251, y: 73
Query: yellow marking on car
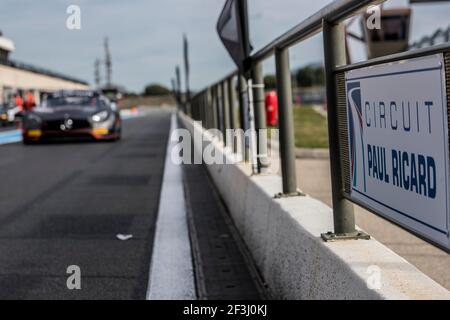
x: 34, y: 133
x: 100, y: 131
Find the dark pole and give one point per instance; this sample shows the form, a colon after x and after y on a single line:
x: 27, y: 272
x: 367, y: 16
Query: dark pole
x: 174, y: 89
x: 177, y: 74
x: 246, y: 47
x: 245, y: 72
x: 186, y: 72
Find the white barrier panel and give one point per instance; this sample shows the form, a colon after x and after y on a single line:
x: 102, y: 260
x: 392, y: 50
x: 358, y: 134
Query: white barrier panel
x: 283, y: 235
x: 398, y: 138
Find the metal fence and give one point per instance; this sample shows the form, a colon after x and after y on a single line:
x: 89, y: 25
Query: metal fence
x: 215, y: 105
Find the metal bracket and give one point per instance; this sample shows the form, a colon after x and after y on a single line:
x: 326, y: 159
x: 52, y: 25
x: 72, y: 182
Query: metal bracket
x: 357, y: 235
x: 281, y: 195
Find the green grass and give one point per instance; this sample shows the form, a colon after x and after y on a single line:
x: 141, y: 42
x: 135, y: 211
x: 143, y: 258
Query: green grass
x: 311, y: 130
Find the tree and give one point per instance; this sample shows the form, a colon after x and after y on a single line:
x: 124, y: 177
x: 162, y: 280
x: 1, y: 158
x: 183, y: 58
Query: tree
x: 310, y: 76
x: 155, y: 89
x: 270, y: 82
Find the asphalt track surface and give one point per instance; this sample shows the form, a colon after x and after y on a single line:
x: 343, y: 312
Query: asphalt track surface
x: 63, y: 204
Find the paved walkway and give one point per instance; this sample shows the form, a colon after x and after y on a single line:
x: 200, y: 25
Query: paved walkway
x: 313, y: 176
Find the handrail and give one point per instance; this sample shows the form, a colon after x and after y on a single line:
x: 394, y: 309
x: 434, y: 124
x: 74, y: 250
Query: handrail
x: 394, y: 57
x: 209, y: 107
x: 333, y: 12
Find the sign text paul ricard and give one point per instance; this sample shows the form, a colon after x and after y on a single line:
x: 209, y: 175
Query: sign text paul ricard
x: 398, y: 138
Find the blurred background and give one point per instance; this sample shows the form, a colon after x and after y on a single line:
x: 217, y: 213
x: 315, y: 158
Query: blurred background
x: 133, y: 48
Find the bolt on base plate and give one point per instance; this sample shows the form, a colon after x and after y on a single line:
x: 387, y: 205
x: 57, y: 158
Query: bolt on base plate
x: 357, y: 235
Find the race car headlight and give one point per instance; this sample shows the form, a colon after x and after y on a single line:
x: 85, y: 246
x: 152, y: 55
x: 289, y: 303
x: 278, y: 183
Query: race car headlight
x: 100, y: 116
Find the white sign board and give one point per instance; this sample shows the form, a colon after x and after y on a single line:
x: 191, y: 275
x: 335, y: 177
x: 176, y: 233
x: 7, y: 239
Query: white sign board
x: 398, y: 141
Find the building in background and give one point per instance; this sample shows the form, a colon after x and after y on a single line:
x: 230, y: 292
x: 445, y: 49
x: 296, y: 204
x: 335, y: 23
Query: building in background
x: 20, y: 78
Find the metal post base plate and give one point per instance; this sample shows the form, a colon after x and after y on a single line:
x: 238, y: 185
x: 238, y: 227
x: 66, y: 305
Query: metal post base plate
x: 357, y: 235
x: 288, y: 195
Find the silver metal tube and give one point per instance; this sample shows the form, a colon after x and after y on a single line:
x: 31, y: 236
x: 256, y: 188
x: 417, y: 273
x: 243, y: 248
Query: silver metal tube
x: 335, y: 11
x: 214, y: 109
x: 334, y: 49
x: 233, y: 112
x: 242, y: 84
x: 286, y: 121
x: 260, y: 116
x: 219, y: 107
x: 226, y: 112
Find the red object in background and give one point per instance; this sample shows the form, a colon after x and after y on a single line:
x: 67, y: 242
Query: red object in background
x: 18, y: 101
x: 29, y: 101
x: 271, y: 108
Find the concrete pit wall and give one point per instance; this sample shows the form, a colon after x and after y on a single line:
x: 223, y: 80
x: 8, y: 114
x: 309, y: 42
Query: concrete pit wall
x: 283, y: 236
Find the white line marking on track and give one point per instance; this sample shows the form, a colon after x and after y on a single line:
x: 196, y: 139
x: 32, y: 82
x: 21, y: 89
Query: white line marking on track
x: 171, y: 272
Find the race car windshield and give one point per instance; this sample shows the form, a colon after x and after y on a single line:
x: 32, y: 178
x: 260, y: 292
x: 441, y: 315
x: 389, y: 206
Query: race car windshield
x: 75, y: 101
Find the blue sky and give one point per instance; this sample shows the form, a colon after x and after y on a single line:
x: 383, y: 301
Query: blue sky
x: 146, y: 35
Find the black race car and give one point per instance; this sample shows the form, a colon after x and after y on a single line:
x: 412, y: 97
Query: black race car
x: 72, y: 114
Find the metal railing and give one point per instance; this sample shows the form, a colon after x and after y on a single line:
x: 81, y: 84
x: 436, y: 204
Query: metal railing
x: 215, y: 105
x: 432, y: 40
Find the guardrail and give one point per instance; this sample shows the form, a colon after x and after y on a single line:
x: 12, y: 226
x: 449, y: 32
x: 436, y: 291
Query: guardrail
x: 215, y: 105
x: 426, y: 41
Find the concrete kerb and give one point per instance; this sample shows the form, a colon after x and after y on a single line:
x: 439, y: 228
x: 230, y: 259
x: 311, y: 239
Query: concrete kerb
x: 283, y: 236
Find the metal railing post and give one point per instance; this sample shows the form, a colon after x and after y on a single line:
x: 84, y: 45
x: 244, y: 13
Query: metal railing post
x: 205, y: 107
x: 242, y: 85
x: 214, y: 122
x: 260, y: 116
x: 201, y: 111
x: 232, y: 104
x: 194, y: 109
x: 286, y: 122
x: 226, y: 111
x: 209, y: 109
x: 335, y: 55
x: 219, y: 108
